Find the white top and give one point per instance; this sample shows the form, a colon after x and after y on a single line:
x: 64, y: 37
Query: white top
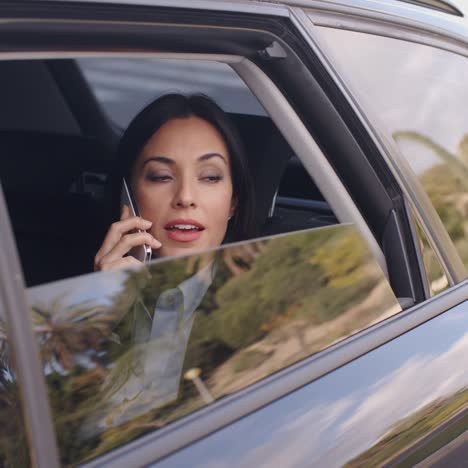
x: 154, y: 379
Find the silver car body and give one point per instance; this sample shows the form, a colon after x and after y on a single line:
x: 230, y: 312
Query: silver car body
x: 342, y: 402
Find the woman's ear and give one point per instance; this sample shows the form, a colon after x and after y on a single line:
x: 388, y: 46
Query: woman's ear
x: 232, y: 210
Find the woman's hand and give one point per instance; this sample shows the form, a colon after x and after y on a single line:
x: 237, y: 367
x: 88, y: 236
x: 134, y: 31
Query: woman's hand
x: 120, y: 238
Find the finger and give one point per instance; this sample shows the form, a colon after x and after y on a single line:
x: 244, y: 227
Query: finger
x: 117, y: 230
x: 120, y: 264
x: 128, y: 241
x: 124, y: 212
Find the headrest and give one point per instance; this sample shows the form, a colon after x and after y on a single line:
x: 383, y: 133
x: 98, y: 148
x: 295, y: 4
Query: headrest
x: 45, y: 162
x: 268, y: 154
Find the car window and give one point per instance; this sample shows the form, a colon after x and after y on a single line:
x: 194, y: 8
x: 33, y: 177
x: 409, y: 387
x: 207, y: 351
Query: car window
x: 418, y: 92
x: 69, y: 174
x: 129, y: 352
x: 124, y: 86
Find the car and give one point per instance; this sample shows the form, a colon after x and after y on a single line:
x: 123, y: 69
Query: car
x: 335, y: 337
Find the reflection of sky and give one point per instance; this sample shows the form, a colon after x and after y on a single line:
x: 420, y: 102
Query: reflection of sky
x: 343, y: 414
x: 95, y: 287
x: 407, y: 86
x: 422, y: 157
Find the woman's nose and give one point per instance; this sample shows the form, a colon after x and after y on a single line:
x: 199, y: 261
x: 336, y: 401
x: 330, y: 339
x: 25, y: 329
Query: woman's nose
x: 185, y: 197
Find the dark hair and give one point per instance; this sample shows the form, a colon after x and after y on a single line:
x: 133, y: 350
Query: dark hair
x: 176, y: 106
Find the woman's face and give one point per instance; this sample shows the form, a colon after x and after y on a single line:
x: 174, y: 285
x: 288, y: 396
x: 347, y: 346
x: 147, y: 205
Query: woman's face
x: 182, y: 183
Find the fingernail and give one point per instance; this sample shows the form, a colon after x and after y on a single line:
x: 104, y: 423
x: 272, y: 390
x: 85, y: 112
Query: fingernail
x: 156, y: 242
x: 147, y: 222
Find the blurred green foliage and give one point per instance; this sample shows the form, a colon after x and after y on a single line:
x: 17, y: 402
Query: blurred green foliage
x: 446, y: 184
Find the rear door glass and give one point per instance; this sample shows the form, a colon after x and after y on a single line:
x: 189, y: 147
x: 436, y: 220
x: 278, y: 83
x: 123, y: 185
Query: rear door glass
x: 128, y: 352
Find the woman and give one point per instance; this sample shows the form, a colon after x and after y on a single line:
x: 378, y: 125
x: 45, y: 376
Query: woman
x: 186, y: 166
x: 184, y: 162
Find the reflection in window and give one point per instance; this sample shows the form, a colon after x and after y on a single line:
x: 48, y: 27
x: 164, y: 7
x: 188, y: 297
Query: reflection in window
x: 435, y: 275
x: 128, y: 352
x: 420, y: 94
x: 14, y: 450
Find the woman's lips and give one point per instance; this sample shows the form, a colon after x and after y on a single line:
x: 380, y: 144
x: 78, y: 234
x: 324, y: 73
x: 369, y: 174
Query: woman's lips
x: 184, y: 230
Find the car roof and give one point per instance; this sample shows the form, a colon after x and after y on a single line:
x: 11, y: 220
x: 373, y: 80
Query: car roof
x: 441, y: 17
x: 449, y: 6
x: 454, y: 7
x: 449, y: 15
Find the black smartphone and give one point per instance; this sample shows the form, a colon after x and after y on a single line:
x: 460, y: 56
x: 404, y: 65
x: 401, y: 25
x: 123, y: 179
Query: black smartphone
x: 141, y: 252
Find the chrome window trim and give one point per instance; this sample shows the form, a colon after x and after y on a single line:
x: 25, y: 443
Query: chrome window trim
x: 34, y: 401
x: 412, y: 190
x: 227, y: 59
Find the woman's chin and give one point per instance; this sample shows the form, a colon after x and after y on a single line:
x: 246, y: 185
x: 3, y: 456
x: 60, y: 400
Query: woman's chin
x: 177, y: 251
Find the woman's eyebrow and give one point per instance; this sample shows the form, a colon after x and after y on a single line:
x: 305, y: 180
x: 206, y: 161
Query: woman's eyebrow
x: 212, y: 155
x: 162, y: 159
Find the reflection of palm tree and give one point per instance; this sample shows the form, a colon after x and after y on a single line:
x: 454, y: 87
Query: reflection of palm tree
x: 65, y: 332
x: 238, y: 258
x: 463, y: 149
x: 455, y: 165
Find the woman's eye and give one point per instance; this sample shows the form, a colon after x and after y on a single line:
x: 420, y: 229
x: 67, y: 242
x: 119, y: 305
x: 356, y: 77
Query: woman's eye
x: 159, y: 177
x: 211, y: 178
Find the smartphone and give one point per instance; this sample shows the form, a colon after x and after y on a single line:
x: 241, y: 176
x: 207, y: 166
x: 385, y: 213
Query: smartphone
x: 141, y: 252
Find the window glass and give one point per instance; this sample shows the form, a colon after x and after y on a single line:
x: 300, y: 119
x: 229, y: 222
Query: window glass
x: 124, y: 86
x: 436, y: 278
x: 128, y: 352
x: 298, y: 198
x: 61, y: 201
x: 419, y: 93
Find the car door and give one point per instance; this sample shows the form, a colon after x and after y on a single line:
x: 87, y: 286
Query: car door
x: 336, y: 149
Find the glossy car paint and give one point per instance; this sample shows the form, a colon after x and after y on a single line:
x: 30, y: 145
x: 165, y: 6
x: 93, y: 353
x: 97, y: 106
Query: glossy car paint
x: 418, y: 379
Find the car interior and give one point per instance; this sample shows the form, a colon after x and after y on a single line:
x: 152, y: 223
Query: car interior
x: 56, y: 148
